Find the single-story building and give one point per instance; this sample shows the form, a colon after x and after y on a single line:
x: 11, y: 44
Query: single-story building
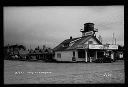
x: 86, y: 48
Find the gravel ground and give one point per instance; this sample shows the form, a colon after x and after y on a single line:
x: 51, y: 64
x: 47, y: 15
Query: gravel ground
x: 23, y: 72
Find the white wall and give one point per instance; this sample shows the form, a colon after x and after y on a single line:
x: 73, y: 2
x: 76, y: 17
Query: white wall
x: 91, y: 39
x: 65, y: 55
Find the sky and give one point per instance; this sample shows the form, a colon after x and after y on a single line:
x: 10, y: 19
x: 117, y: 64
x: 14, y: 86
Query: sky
x: 50, y: 25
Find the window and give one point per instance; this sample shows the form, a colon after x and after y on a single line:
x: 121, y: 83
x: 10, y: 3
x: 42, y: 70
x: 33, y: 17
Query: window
x: 73, y: 53
x: 58, y: 55
x: 100, y: 54
x: 90, y: 42
x: 81, y: 53
x: 66, y: 44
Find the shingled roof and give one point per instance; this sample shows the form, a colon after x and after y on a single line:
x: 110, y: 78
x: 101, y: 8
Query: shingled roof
x: 70, y: 44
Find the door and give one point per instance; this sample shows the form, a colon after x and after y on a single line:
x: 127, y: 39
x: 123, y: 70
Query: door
x: 91, y: 55
x: 81, y: 53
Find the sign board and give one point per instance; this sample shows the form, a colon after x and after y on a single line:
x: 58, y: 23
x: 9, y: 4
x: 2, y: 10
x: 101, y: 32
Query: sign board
x: 103, y: 46
x: 95, y: 46
x: 113, y: 46
x: 96, y: 30
x: 89, y: 33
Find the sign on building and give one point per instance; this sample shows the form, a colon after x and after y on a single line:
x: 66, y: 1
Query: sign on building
x: 96, y: 30
x: 92, y: 46
x: 89, y: 33
x: 113, y: 47
x: 95, y: 46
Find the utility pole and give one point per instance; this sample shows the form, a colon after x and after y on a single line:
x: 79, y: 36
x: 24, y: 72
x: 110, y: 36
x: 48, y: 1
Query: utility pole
x: 113, y: 39
x: 30, y: 46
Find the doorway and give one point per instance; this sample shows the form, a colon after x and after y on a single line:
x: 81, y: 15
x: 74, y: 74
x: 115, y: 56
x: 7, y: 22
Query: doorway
x: 91, y: 55
x: 100, y: 54
x: 81, y: 53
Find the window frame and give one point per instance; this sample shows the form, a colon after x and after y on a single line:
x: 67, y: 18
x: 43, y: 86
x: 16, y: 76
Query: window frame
x: 90, y: 42
x: 58, y: 55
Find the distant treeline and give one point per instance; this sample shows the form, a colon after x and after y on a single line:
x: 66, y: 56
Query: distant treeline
x: 19, y: 52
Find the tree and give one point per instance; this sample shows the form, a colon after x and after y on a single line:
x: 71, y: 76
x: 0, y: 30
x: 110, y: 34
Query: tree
x: 44, y: 47
x: 22, y: 47
x: 37, y: 48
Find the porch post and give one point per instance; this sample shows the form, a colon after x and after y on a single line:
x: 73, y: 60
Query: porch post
x: 86, y: 55
x: 96, y: 54
x: 112, y: 55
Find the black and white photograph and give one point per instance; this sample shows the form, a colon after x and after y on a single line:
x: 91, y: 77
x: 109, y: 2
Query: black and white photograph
x: 63, y: 44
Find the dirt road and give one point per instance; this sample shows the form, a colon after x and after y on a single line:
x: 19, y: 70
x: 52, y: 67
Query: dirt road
x: 23, y: 72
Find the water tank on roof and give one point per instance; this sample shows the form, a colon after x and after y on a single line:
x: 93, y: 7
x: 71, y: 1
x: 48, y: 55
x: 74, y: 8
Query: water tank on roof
x: 88, y: 27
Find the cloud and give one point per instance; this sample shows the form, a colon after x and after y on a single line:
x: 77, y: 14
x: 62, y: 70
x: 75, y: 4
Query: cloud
x: 53, y: 24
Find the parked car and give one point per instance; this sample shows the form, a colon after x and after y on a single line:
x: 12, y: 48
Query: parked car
x: 13, y: 57
x: 103, y: 60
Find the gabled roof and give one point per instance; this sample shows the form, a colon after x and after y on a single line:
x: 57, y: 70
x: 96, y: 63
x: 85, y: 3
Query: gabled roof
x: 97, y: 40
x: 61, y: 47
x: 75, y: 42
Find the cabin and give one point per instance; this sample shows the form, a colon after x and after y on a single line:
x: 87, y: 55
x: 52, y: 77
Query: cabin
x: 86, y: 48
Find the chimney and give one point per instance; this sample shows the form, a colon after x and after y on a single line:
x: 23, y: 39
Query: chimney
x: 70, y: 37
